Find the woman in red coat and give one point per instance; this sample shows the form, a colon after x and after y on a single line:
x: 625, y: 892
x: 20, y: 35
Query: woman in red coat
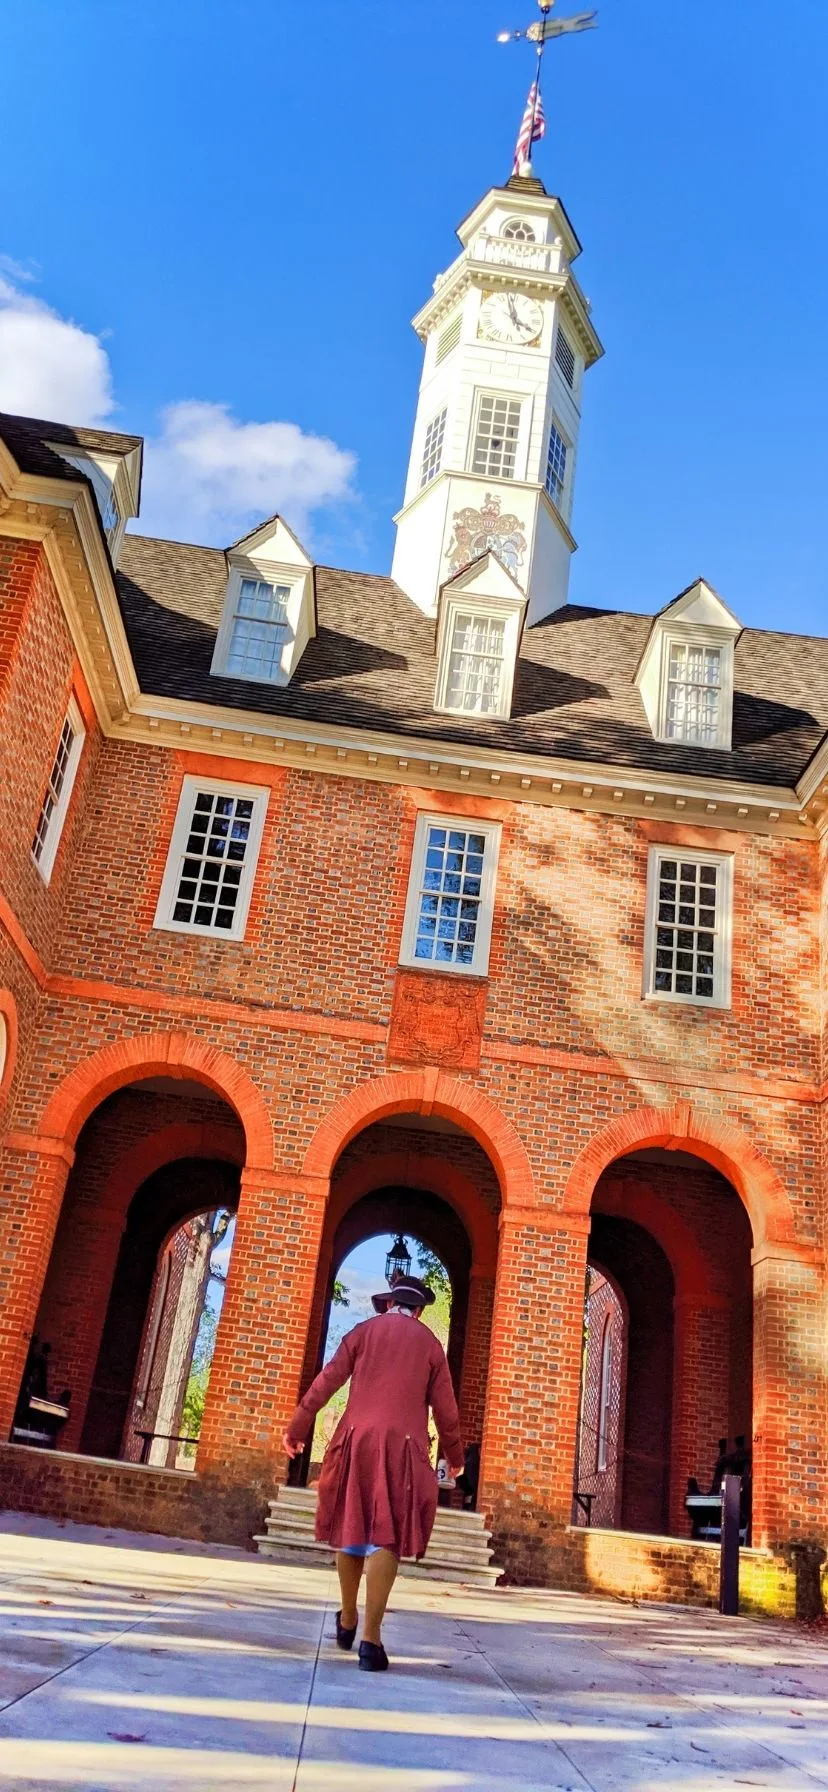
x: 377, y: 1490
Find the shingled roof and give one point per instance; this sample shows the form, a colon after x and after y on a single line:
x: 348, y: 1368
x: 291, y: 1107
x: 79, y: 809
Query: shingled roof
x: 372, y: 666
x: 28, y: 438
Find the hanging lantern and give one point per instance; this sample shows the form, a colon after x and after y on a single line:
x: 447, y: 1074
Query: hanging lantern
x: 398, y: 1261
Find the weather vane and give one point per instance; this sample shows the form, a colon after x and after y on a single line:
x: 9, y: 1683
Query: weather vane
x: 533, y: 125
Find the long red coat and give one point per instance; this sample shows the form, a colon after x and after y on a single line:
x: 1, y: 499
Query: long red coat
x: 377, y: 1484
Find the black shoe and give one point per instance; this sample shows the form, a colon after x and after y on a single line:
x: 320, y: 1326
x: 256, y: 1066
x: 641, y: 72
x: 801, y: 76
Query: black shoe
x: 344, y: 1638
x: 372, y: 1658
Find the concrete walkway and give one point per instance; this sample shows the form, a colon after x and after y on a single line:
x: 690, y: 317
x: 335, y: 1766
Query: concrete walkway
x: 131, y: 1663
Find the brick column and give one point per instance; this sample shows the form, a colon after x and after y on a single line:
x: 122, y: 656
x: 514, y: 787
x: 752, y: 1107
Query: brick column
x: 33, y: 1177
x: 529, y: 1437
x: 790, y: 1462
x: 701, y: 1398
x: 262, y: 1336
x: 75, y: 1303
x: 471, y: 1394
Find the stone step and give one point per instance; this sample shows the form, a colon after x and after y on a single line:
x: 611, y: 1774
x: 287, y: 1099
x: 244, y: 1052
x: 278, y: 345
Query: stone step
x: 283, y: 1536
x: 302, y: 1500
x: 305, y: 1553
x: 458, y: 1549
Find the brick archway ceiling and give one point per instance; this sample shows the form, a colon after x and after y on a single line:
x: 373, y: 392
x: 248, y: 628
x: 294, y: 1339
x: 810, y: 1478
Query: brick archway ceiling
x: 427, y: 1092
x: 425, y: 1171
x: 687, y: 1129
x: 146, y: 1055
x: 418, y: 1214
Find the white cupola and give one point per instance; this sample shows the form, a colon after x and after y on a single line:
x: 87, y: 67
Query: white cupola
x: 507, y: 337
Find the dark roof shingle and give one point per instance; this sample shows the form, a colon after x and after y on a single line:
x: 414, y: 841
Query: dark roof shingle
x: 372, y: 665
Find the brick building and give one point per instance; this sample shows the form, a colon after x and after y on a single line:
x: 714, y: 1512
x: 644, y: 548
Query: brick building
x: 430, y: 903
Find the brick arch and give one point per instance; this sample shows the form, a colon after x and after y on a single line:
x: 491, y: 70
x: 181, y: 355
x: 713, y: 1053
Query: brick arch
x: 683, y: 1128
x: 692, y: 1274
x: 208, y: 1139
x: 160, y: 1054
x: 426, y: 1092
x: 8, y: 1034
x: 403, y: 1169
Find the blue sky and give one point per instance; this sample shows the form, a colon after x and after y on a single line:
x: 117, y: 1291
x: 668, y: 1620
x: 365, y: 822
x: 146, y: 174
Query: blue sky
x: 242, y: 206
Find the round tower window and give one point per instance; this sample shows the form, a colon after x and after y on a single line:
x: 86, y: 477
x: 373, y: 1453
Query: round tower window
x: 519, y: 231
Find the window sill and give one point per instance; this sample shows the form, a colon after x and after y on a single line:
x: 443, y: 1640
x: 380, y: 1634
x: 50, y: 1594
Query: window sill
x: 711, y: 1004
x: 430, y: 968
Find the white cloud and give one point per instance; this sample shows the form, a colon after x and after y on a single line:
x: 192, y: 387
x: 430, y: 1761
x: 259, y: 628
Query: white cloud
x: 209, y: 477
x: 49, y: 366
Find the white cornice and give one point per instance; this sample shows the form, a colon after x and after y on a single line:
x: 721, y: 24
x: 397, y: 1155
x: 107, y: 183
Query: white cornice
x: 492, y: 771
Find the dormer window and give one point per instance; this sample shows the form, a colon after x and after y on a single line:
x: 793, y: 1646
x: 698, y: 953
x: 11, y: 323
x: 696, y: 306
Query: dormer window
x: 475, y: 664
x: 693, y: 696
x: 259, y: 631
x: 110, y: 517
x: 685, y: 676
x: 269, y: 612
x: 478, y: 634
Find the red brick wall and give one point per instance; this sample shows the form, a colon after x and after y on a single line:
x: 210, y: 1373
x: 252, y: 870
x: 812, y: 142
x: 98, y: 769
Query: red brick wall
x: 300, y: 1008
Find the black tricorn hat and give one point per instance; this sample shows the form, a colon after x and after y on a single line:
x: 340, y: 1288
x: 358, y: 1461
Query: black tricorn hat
x: 408, y: 1291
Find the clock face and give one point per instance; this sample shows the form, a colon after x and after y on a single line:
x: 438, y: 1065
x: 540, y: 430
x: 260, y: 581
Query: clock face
x: 510, y: 317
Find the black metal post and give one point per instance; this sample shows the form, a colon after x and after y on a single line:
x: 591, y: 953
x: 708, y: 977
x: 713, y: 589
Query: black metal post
x: 729, y: 1560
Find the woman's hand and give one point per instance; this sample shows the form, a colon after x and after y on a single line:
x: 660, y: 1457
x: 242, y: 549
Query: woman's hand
x: 291, y: 1449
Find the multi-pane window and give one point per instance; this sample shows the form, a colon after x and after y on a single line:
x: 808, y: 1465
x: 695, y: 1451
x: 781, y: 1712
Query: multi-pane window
x: 448, y: 914
x: 433, y: 449
x: 58, y: 791
x: 212, y: 858
x: 448, y: 338
x: 565, y: 356
x: 110, y: 516
x: 496, y: 437
x: 605, y: 1396
x: 519, y: 231
x: 259, y: 631
x: 694, y: 693
x: 689, y: 927
x: 556, y: 466
x: 476, y: 664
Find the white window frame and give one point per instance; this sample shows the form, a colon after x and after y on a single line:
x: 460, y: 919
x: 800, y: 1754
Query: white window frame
x: 177, y: 852
x: 263, y: 575
x: 723, y: 945
x: 604, y: 1392
x: 435, y: 430
x: 469, y: 824
x: 521, y: 442
x: 471, y: 605
x: 562, y: 503
x: 56, y: 822
x: 700, y: 638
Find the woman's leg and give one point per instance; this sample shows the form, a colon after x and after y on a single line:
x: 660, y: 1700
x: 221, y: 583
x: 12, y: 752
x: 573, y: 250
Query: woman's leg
x: 349, y: 1569
x: 380, y: 1575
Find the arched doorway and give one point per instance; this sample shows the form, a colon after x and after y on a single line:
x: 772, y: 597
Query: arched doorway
x: 425, y: 1177
x: 363, y: 1270
x: 150, y: 1159
x: 667, y: 1362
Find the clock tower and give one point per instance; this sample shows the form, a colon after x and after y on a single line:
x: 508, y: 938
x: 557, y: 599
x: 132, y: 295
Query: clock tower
x: 507, y: 337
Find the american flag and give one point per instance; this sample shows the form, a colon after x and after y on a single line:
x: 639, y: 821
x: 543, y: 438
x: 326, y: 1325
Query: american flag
x: 533, y: 127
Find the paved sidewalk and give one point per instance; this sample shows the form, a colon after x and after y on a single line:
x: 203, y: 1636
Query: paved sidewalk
x: 128, y: 1663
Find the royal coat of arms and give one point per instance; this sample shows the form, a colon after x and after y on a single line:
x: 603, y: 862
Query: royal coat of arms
x: 477, y: 531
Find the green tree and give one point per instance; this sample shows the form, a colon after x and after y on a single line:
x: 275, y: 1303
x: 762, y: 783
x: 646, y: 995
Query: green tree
x: 341, y: 1294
